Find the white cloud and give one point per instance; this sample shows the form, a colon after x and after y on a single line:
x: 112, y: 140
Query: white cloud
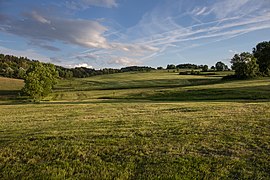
x: 39, y: 18
x: 123, y: 61
x: 83, y: 65
x: 85, y: 33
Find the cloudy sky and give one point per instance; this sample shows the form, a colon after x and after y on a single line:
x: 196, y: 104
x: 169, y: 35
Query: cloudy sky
x: 117, y: 33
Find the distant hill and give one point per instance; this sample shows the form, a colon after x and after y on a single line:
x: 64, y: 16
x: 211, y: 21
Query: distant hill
x: 16, y: 67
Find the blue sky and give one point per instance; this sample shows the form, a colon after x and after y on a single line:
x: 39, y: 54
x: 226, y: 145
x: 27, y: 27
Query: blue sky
x: 117, y: 33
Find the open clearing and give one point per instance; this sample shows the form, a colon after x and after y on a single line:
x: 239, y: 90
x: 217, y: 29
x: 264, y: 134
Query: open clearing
x: 155, y: 125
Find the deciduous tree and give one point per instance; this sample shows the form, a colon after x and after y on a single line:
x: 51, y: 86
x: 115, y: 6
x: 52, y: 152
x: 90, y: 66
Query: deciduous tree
x: 220, y: 66
x: 245, y: 65
x: 262, y: 53
x: 39, y: 80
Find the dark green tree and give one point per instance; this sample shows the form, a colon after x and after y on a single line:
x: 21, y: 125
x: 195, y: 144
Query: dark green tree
x: 220, y: 66
x: 171, y: 66
x: 39, y: 80
x: 205, y: 68
x: 262, y: 53
x: 245, y: 65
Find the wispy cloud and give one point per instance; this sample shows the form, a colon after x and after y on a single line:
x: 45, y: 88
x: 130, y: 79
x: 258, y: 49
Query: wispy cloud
x: 166, y: 30
x: 83, y: 4
x: 43, y: 45
x: 231, y: 7
x: 200, y: 11
x: 233, y: 51
x: 123, y: 61
x: 39, y: 18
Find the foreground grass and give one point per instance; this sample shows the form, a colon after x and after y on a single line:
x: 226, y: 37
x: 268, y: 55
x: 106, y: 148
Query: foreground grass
x: 135, y: 140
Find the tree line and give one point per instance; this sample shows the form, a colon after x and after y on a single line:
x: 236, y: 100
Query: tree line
x: 16, y: 67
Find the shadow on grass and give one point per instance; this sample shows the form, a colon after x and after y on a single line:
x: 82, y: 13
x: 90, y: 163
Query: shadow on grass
x: 242, y: 93
x: 9, y: 94
x: 239, y: 94
x: 140, y: 84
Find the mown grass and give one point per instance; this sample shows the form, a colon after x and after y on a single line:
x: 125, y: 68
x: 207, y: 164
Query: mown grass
x: 135, y: 140
x: 161, y: 86
x: 10, y: 88
x: 174, y: 127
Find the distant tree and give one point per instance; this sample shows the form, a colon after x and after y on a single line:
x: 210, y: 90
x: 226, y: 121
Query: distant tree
x: 220, y: 66
x: 205, y: 68
x: 2, y: 56
x: 213, y: 68
x: 245, y: 65
x: 39, y: 80
x: 159, y: 68
x: 68, y: 74
x: 262, y: 53
x: 171, y: 66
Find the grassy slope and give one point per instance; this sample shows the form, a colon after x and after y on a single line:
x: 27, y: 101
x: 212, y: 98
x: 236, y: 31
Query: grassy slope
x: 80, y: 135
x: 9, y: 88
x: 160, y: 86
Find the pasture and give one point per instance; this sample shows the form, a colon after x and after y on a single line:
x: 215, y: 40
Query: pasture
x: 154, y: 125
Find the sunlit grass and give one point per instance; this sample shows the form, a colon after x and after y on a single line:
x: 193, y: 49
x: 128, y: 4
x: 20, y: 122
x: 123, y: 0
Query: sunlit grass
x: 10, y: 84
x: 135, y: 140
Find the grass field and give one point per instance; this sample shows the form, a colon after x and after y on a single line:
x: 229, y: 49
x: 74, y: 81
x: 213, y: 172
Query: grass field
x: 155, y: 125
x: 9, y: 88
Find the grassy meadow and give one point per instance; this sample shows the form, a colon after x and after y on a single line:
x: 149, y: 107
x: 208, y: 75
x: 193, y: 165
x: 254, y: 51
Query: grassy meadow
x: 154, y: 125
x: 10, y: 88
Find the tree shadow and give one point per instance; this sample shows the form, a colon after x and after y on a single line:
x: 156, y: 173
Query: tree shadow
x: 237, y: 94
x: 221, y: 94
x: 141, y: 84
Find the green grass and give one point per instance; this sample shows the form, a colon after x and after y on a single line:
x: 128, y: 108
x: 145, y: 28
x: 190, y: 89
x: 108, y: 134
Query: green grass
x: 161, y: 86
x: 10, y: 88
x: 155, y: 125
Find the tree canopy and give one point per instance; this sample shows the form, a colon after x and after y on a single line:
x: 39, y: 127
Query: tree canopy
x: 220, y: 66
x: 171, y: 66
x: 262, y: 53
x: 245, y: 65
x: 39, y: 80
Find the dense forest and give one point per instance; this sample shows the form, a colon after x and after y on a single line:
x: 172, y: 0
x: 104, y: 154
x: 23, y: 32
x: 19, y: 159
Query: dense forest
x: 16, y: 67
